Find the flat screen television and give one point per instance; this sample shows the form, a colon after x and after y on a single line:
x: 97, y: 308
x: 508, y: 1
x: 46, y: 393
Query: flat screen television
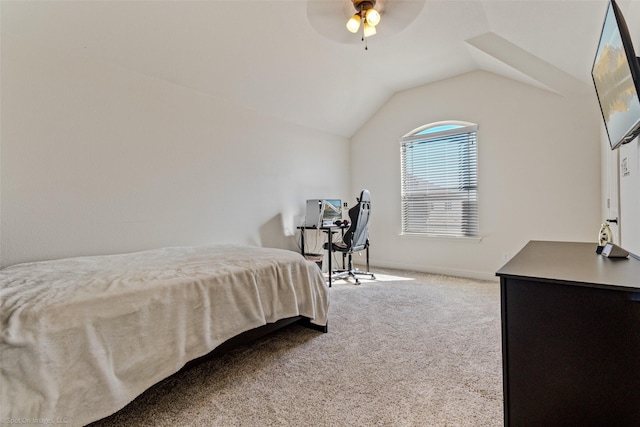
x: 616, y: 77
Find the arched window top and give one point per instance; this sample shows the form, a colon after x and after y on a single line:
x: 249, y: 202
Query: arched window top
x: 441, y: 128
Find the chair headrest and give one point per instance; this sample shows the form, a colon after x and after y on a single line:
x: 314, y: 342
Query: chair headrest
x: 365, y: 196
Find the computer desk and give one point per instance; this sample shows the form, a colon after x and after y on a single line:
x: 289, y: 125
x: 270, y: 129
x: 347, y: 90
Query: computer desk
x: 329, y: 231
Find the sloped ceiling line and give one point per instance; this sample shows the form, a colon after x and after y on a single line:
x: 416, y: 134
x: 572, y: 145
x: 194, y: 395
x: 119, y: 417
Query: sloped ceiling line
x: 545, y: 74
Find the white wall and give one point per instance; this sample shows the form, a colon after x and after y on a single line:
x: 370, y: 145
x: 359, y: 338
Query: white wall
x: 621, y: 167
x: 629, y: 156
x: 98, y: 159
x: 538, y: 162
x: 629, y: 179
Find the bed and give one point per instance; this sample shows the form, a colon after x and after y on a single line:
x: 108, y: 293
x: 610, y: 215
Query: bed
x: 82, y: 337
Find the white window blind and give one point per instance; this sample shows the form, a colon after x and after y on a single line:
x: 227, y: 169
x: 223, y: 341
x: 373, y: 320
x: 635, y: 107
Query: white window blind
x: 439, y: 181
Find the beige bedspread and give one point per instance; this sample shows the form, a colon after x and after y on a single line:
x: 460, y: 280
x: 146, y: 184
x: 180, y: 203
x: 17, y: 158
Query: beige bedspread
x: 81, y: 337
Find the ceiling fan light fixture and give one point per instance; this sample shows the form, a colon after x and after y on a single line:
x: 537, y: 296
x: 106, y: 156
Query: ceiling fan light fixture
x: 368, y: 30
x: 366, y: 16
x: 372, y: 17
x: 353, y: 24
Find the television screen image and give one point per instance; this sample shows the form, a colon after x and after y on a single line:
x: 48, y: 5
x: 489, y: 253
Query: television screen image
x: 616, y: 76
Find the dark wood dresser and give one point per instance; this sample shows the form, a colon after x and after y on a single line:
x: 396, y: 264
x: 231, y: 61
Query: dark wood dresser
x: 570, y: 337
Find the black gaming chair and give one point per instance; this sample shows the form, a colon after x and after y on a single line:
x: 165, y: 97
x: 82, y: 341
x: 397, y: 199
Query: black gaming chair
x: 355, y: 239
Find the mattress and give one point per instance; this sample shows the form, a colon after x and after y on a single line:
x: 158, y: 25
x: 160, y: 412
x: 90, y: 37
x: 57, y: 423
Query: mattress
x: 82, y: 337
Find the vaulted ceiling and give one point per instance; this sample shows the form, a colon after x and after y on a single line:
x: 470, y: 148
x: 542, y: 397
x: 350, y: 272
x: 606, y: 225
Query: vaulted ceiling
x: 295, y: 60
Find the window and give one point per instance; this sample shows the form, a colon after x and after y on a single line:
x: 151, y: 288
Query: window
x: 439, y: 180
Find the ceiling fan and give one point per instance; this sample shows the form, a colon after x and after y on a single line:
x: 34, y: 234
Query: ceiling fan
x: 328, y: 17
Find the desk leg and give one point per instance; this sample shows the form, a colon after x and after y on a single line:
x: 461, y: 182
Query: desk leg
x: 329, y: 253
x: 344, y: 254
x: 302, y: 241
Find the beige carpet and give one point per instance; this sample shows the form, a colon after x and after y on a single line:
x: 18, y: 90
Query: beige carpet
x: 420, y: 352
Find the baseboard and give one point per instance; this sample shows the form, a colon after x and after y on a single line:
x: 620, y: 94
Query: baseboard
x: 431, y: 269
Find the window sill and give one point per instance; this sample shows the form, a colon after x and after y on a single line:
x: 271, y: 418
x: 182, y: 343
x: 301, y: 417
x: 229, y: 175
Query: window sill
x: 440, y: 238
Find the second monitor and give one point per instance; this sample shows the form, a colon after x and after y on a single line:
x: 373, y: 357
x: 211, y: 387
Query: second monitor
x: 322, y: 212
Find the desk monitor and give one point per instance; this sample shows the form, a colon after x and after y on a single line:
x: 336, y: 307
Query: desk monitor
x: 331, y: 212
x: 322, y: 212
